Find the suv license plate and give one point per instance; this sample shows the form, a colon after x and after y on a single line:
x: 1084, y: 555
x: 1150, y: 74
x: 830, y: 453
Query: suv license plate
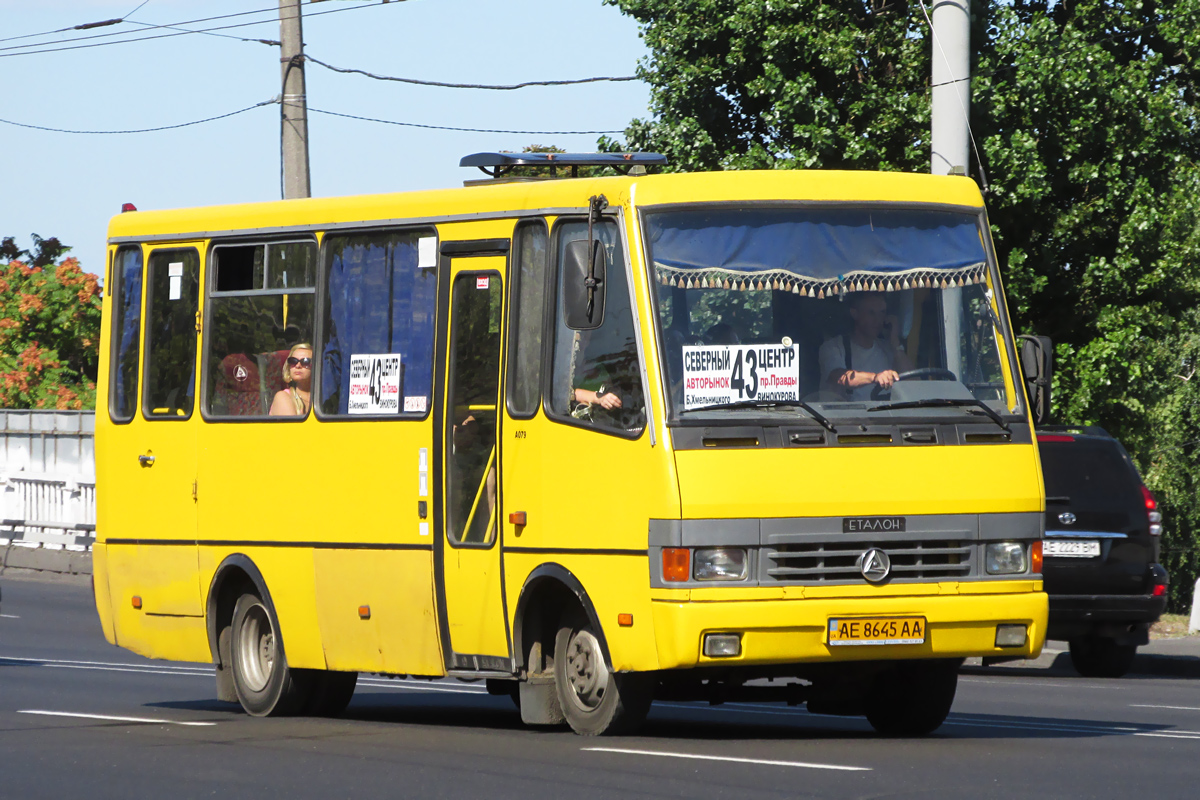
x: 1071, y: 548
x: 876, y: 630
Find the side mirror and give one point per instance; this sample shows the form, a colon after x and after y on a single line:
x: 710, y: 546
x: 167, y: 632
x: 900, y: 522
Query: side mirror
x: 583, y: 284
x: 1037, y: 366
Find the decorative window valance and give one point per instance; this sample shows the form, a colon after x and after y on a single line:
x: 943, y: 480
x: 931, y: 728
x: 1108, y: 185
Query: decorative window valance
x: 816, y: 252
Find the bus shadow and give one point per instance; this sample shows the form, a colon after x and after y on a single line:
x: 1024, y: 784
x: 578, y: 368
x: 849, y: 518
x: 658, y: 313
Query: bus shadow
x: 700, y: 722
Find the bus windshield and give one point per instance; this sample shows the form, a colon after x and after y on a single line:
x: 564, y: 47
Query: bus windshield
x: 847, y: 310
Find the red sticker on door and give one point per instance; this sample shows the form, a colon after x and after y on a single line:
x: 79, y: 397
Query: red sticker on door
x: 482, y: 282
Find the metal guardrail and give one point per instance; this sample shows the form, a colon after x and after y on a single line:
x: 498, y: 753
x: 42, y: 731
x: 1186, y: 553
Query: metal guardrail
x: 47, y: 479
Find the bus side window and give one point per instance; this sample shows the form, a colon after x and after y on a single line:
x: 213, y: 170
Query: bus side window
x: 380, y: 294
x: 261, y: 305
x: 126, y: 330
x: 596, y: 378
x: 170, y: 383
x: 526, y: 319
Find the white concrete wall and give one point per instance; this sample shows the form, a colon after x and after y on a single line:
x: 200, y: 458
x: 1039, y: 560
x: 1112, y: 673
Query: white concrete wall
x: 47, y: 479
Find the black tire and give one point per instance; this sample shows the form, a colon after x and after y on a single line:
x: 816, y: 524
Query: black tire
x: 912, y: 698
x: 596, y: 701
x: 330, y: 692
x: 1099, y: 657
x: 265, y: 686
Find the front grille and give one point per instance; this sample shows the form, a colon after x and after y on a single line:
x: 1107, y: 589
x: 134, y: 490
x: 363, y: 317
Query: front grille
x: 829, y: 561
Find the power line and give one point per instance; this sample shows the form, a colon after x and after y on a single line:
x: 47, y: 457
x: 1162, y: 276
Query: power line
x: 143, y: 130
x: 448, y: 128
x: 444, y: 85
x: 179, y: 32
x: 314, y: 110
x: 122, y: 33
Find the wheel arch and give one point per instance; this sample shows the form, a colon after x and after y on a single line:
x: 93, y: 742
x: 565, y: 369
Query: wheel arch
x: 237, y: 572
x: 542, y: 584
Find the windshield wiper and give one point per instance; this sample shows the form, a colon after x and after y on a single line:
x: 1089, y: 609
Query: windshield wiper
x: 817, y: 415
x: 944, y: 402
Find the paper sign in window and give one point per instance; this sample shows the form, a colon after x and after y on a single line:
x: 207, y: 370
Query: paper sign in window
x: 723, y: 374
x: 376, y: 382
x: 426, y: 252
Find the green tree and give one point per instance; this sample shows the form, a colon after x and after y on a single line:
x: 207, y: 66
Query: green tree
x: 49, y: 327
x: 1085, y: 114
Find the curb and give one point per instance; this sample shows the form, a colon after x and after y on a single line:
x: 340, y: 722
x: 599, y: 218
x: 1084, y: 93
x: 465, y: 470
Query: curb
x: 42, y: 559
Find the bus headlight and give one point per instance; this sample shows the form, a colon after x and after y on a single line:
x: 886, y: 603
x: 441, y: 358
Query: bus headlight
x: 720, y: 564
x: 1006, y: 558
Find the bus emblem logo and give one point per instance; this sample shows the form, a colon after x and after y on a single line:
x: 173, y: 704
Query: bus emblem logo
x: 875, y: 565
x: 1066, y: 518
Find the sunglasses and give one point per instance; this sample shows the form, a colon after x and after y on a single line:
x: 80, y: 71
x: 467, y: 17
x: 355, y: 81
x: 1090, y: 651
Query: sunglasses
x: 299, y: 362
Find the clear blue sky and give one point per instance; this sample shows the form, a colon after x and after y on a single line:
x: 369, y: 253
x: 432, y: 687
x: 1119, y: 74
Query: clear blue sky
x: 67, y: 185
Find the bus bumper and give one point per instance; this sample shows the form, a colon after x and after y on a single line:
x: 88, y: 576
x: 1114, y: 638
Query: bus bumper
x: 795, y: 631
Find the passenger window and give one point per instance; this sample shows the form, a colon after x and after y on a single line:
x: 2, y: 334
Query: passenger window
x: 126, y: 330
x: 260, y: 329
x: 170, y: 383
x: 525, y: 326
x: 378, y: 318
x: 596, y: 378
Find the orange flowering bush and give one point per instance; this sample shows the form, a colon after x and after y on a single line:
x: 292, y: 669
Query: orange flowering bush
x: 49, y: 328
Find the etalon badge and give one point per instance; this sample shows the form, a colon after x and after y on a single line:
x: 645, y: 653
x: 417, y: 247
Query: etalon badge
x: 875, y: 565
x: 1066, y: 518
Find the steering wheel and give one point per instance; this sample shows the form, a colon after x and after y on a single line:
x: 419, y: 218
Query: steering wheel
x: 926, y: 373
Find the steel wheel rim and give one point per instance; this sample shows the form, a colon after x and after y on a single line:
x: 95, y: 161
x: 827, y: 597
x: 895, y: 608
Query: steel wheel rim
x: 256, y: 648
x: 587, y: 674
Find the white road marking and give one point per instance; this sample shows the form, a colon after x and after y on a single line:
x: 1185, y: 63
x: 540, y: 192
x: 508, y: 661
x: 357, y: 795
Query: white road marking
x: 699, y: 757
x: 200, y: 669
x: 151, y: 671
x: 403, y: 685
x: 9, y: 616
x: 110, y: 718
x: 963, y: 720
x: 1069, y: 683
x: 1171, y: 708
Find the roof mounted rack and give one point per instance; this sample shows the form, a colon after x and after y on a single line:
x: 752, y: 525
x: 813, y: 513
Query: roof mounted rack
x: 497, y: 165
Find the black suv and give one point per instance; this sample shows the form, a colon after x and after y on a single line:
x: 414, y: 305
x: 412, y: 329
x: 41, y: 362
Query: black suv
x: 1100, y: 551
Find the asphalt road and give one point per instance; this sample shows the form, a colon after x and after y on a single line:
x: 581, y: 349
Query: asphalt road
x: 152, y: 729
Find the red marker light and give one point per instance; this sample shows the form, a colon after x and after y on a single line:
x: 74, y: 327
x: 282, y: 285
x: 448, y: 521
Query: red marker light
x: 1151, y: 503
x: 128, y: 207
x: 1054, y: 437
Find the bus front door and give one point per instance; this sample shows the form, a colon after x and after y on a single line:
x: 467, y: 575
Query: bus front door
x: 470, y: 590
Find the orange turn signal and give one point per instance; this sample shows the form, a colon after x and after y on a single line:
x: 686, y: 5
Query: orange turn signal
x: 364, y: 612
x: 137, y: 601
x: 625, y: 620
x: 517, y: 518
x: 676, y: 565
x: 1035, y: 558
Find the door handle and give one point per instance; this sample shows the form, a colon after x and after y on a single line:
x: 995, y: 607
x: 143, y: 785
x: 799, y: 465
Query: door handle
x: 146, y: 461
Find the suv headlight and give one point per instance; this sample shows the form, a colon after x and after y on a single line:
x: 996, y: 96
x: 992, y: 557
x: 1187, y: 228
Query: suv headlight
x: 1006, y: 558
x: 719, y: 564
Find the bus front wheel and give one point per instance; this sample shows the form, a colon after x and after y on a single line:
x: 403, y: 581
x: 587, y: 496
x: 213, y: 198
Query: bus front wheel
x: 912, y: 698
x: 264, y: 684
x: 595, y: 700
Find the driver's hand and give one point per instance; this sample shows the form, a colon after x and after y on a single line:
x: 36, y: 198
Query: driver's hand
x: 886, y: 378
x: 608, y: 400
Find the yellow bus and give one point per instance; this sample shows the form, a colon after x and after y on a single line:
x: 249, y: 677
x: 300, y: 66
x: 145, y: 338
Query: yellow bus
x: 596, y: 440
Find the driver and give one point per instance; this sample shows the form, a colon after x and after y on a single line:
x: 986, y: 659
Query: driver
x: 871, y: 360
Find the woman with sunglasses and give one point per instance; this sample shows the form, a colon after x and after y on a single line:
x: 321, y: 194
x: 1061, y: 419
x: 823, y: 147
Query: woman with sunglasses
x: 296, y: 399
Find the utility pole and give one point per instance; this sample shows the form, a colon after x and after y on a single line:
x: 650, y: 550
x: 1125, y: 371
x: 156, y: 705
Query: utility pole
x: 294, y: 132
x: 950, y: 140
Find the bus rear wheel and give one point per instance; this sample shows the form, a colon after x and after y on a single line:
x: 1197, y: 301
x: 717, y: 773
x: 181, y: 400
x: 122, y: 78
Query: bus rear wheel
x: 595, y: 700
x: 912, y: 698
x: 264, y: 685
